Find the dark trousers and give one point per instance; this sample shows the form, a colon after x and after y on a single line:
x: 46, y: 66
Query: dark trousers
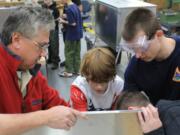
x: 53, y: 50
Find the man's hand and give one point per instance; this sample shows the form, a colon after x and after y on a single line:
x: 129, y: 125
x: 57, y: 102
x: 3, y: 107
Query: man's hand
x: 149, y: 118
x: 62, y: 117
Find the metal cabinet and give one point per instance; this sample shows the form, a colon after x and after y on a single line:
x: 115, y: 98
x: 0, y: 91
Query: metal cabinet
x: 110, y: 17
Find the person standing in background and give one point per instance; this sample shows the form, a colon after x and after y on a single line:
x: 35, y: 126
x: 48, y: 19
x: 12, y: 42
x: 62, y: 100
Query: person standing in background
x: 53, y: 50
x: 73, y: 37
x: 78, y: 3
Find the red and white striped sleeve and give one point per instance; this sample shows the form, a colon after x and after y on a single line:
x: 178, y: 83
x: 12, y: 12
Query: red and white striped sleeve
x: 78, y: 99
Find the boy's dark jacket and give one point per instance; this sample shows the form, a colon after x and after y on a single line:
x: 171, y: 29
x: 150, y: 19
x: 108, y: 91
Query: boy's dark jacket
x: 169, y: 112
x: 170, y: 115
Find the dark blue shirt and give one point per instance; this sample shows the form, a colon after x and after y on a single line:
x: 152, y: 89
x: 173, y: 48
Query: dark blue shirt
x: 158, y: 79
x: 73, y: 16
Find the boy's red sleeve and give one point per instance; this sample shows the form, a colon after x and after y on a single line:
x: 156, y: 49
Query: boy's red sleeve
x: 113, y: 107
x: 78, y: 99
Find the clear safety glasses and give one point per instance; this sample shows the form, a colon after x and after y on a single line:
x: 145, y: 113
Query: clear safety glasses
x: 141, y: 44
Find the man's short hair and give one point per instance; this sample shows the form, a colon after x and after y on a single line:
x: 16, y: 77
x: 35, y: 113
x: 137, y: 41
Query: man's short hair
x: 140, y: 19
x: 132, y: 99
x: 98, y: 65
x: 27, y: 21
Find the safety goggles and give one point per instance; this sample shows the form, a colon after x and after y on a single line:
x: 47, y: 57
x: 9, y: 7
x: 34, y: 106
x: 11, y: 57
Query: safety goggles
x: 141, y: 44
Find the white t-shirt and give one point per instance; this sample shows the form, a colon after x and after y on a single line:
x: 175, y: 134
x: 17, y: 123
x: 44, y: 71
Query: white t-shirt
x: 97, y: 101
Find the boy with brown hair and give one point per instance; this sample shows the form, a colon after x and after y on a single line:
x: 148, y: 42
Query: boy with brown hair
x: 160, y: 120
x: 98, y: 86
x: 128, y: 99
x: 148, y: 116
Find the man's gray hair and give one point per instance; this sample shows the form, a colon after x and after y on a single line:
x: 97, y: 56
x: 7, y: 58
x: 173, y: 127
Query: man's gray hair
x: 27, y: 21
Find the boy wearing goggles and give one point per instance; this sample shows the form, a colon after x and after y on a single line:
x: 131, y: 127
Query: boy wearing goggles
x: 155, y: 66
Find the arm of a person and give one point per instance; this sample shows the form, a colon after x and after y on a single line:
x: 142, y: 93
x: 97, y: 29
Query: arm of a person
x: 59, y: 117
x: 113, y: 107
x: 50, y: 96
x: 175, y: 84
x: 159, y: 131
x: 169, y: 111
x: 56, y: 13
x: 70, y: 18
x: 80, y: 7
x: 64, y: 16
x: 19, y: 123
x: 130, y: 77
x: 117, y: 85
x: 150, y: 121
x: 63, y: 21
x: 78, y: 99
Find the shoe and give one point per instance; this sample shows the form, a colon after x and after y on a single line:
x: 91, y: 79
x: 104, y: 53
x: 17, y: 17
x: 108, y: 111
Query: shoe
x: 76, y: 74
x: 65, y: 74
x: 62, y: 64
x: 55, y: 66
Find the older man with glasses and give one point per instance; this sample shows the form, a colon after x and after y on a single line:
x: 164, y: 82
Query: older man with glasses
x: 24, y: 90
x: 155, y: 66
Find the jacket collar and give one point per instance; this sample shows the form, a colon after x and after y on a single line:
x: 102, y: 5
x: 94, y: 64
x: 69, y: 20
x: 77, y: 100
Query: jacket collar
x: 14, y: 60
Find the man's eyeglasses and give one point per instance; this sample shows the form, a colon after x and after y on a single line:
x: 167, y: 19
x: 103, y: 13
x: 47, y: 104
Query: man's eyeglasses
x: 41, y: 46
x: 141, y: 44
